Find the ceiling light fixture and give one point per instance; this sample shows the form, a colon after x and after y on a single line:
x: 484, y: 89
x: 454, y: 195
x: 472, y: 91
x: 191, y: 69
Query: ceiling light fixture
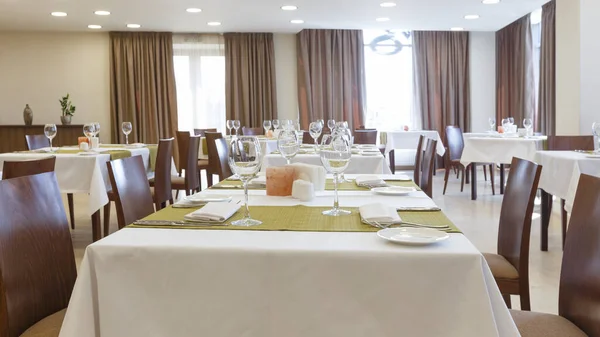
x: 94, y: 27
x: 297, y: 21
x: 58, y: 14
x: 382, y: 19
x: 133, y: 25
x: 102, y: 12
x: 387, y: 4
x: 193, y: 10
x: 490, y: 2
x: 289, y: 8
x: 214, y: 23
x: 472, y: 17
x: 457, y: 29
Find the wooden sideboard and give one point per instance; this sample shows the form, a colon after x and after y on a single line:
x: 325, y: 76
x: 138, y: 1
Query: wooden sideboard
x: 12, y: 137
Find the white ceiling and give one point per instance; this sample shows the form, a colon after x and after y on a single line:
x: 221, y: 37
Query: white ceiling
x: 259, y: 15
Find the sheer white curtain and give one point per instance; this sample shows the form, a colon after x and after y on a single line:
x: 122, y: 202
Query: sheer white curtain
x: 200, y: 78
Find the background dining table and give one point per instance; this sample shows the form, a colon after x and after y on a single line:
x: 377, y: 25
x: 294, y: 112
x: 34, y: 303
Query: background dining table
x: 359, y: 164
x: 267, y: 145
x: 409, y: 140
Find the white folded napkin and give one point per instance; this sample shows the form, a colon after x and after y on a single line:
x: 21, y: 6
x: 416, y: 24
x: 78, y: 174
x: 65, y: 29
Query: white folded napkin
x: 380, y: 213
x: 213, y: 212
x: 135, y: 145
x: 399, y: 177
x: 260, y: 181
x: 369, y: 181
x: 198, y: 200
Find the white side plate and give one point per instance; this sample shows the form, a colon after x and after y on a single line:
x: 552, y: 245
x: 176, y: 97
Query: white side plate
x: 413, y: 236
x: 394, y: 190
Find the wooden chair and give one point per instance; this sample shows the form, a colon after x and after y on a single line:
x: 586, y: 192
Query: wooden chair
x: 579, y: 289
x: 133, y: 198
x: 510, y: 266
x: 202, y: 132
x: 161, y: 182
x: 252, y: 131
x: 213, y: 156
x: 363, y: 136
x: 37, y: 268
x: 16, y: 169
x: 191, y: 181
x: 419, y: 160
x: 426, y: 176
x: 223, y: 152
x: 569, y: 143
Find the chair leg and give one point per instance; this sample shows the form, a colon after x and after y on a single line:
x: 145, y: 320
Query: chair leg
x: 199, y: 180
x: 71, y: 209
x: 106, y: 219
x: 462, y: 181
x: 446, y: 179
x: 506, y: 298
x: 465, y: 171
x: 492, y: 179
x: 209, y: 179
x: 524, y: 297
x: 563, y: 217
x: 484, y: 174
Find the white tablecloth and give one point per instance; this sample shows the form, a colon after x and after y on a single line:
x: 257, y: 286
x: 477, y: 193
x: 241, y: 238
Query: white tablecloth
x: 561, y: 171
x: 218, y: 283
x: 409, y: 140
x: 358, y: 164
x: 499, y: 150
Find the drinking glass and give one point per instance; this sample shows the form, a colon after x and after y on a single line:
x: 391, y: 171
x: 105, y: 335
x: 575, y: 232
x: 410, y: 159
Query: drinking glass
x: 236, y: 126
x: 596, y: 130
x: 527, y: 123
x: 229, y: 125
x: 287, y: 144
x: 322, y: 123
x: 331, y: 124
x: 511, y: 121
x: 50, y: 132
x: 88, y: 130
x: 245, y: 161
x: 276, y: 124
x: 335, y: 157
x: 505, y: 125
x: 96, y: 129
x: 126, y: 128
x: 492, y: 122
x: 315, y: 129
x: 267, y: 126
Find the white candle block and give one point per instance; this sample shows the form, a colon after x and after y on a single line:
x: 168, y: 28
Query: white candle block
x: 313, y: 173
x: 303, y: 190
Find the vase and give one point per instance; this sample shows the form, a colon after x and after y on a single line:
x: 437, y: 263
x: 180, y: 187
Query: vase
x: 28, y: 115
x: 66, y: 120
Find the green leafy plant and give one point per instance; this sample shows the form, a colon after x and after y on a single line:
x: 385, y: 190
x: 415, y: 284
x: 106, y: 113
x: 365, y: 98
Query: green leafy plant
x: 68, y: 109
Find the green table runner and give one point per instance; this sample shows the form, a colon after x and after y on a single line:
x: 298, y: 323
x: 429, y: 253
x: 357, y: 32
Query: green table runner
x: 114, y: 154
x: 299, y: 218
x: 346, y: 186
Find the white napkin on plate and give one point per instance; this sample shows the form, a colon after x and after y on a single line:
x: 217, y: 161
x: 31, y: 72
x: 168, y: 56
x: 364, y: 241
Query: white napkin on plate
x: 369, y: 181
x: 213, y: 212
x: 198, y: 200
x: 380, y: 213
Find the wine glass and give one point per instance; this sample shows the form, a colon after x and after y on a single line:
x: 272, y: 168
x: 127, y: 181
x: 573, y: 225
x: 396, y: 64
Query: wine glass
x: 267, y: 126
x: 335, y: 157
x: 88, y: 130
x: 511, y: 121
x: 505, y: 125
x: 492, y: 122
x: 528, y: 124
x: 236, y: 126
x: 245, y: 161
x: 276, y: 124
x: 50, y: 132
x: 322, y: 123
x: 331, y: 124
x: 315, y: 129
x: 596, y: 130
x: 96, y: 129
x: 126, y: 128
x: 230, y: 125
x: 287, y: 144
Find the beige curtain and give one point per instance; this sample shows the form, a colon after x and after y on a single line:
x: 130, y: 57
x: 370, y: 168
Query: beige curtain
x: 546, y: 119
x: 251, y: 94
x: 331, y: 76
x: 441, y: 79
x: 515, y: 76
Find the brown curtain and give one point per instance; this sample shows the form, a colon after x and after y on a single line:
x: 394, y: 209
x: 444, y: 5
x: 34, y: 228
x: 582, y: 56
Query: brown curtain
x: 441, y: 79
x: 515, y: 76
x: 251, y: 94
x: 331, y: 76
x: 546, y: 119
x: 142, y: 86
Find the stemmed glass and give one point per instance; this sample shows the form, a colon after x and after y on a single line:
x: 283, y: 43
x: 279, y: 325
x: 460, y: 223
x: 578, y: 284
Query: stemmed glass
x: 267, y: 126
x: 126, y: 128
x: 511, y: 123
x: 596, y: 130
x: 236, y: 126
x: 315, y: 129
x: 335, y: 157
x: 276, y: 124
x: 331, y: 124
x: 229, y: 125
x: 505, y: 125
x: 492, y: 122
x: 96, y: 129
x: 88, y: 131
x: 288, y: 145
x: 245, y: 161
x: 527, y: 123
x: 50, y: 132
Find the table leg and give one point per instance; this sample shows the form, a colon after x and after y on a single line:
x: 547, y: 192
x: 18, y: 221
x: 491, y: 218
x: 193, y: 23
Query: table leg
x: 473, y: 181
x: 96, y: 234
x: 502, y: 178
x: 545, y: 219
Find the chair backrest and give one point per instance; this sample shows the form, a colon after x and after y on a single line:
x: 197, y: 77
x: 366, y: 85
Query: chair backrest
x: 223, y: 152
x: 455, y: 142
x: 16, y: 169
x: 252, y: 131
x: 363, y: 136
x: 213, y: 156
x: 579, y: 290
x: 515, y: 216
x: 192, y: 179
x: 568, y: 143
x: 35, y: 142
x: 426, y: 177
x: 162, y: 172
x: 183, y: 138
x: 37, y: 263
x: 129, y: 182
x: 419, y: 160
x: 202, y: 132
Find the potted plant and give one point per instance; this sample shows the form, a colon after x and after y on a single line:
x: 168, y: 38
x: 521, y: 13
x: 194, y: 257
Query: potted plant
x: 68, y: 110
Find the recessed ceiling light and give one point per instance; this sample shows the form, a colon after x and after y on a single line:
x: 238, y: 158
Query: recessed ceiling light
x: 457, y: 29
x: 94, y: 27
x: 133, y: 25
x: 102, y: 12
x: 388, y: 4
x: 289, y: 8
x: 193, y: 10
x: 214, y: 23
x: 297, y: 21
x: 490, y: 2
x: 382, y: 19
x: 58, y: 14
x: 472, y: 17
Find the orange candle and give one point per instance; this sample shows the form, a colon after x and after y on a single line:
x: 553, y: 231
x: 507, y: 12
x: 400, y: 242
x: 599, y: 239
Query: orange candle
x: 82, y: 140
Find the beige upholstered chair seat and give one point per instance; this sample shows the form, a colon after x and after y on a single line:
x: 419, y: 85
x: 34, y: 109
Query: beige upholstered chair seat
x: 501, y: 268
x: 47, y: 327
x: 534, y: 324
x: 175, y: 180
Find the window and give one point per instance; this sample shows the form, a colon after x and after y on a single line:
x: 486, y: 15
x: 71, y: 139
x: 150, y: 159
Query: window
x: 536, y: 34
x: 389, y: 77
x: 199, y: 61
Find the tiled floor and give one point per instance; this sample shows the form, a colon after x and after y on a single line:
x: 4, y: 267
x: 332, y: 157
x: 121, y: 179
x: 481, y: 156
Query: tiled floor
x: 477, y: 219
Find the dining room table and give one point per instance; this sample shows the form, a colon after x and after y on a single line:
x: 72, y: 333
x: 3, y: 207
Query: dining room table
x: 299, y: 273
x: 267, y: 144
x: 409, y: 140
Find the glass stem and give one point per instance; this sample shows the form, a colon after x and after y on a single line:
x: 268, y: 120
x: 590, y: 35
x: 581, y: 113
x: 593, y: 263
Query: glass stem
x: 336, y: 204
x: 50, y: 144
x: 247, y: 211
x: 126, y: 139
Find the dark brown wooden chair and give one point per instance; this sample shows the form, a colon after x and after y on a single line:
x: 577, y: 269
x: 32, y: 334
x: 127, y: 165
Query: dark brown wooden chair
x: 426, y: 176
x: 161, y: 182
x: 365, y: 136
x: 37, y: 268
x: 129, y: 183
x: 419, y: 160
x: 213, y: 156
x: 579, y: 289
x: 36, y: 142
x: 202, y: 132
x: 191, y: 181
x: 510, y: 266
x: 223, y: 152
x: 16, y: 169
x: 252, y: 131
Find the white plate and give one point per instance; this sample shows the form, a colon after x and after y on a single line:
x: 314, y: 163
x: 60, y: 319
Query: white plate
x: 413, y: 236
x: 394, y: 190
x: 208, y: 198
x: 88, y: 153
x: 370, y: 153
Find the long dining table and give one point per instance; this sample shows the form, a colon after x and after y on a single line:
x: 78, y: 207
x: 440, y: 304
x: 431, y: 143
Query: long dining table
x: 298, y: 274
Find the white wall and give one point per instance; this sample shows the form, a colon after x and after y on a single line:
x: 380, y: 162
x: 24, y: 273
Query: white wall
x: 286, y: 75
x: 482, y: 68
x: 39, y: 68
x: 590, y: 64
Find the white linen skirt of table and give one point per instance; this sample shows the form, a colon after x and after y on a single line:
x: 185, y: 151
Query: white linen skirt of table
x: 499, y: 150
x: 358, y: 164
x: 409, y: 140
